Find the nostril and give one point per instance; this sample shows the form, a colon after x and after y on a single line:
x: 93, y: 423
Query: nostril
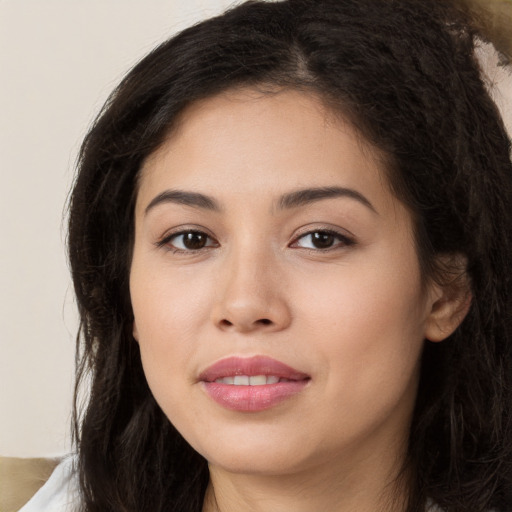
x: 225, y: 323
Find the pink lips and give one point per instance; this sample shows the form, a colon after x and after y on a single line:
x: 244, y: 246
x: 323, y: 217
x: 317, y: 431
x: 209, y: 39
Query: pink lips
x: 252, y: 398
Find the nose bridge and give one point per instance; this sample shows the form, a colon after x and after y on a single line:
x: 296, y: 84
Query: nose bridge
x: 251, y: 295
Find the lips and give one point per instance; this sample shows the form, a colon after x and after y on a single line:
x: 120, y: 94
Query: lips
x: 251, y: 384
x: 251, y: 367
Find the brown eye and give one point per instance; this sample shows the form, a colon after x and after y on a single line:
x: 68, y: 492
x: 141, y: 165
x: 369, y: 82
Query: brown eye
x: 322, y: 240
x: 190, y: 241
x: 194, y: 240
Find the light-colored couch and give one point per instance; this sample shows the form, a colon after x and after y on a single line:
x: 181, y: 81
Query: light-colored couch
x: 20, y: 479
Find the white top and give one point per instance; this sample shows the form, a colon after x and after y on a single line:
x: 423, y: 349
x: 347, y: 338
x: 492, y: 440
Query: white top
x: 59, y: 493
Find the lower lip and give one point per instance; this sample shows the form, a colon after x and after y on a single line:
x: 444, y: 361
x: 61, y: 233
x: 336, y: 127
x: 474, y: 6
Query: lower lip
x: 253, y: 398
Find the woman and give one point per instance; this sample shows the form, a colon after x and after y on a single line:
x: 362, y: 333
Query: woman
x: 290, y: 239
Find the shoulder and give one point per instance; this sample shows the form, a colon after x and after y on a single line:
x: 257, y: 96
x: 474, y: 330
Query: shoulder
x: 59, y: 493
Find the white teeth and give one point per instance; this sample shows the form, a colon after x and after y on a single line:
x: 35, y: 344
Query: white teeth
x: 241, y: 380
x: 257, y: 380
x: 253, y: 380
x: 225, y: 380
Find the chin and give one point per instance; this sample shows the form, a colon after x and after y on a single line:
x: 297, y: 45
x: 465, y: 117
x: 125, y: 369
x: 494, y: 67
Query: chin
x: 249, y: 462
x: 245, y: 451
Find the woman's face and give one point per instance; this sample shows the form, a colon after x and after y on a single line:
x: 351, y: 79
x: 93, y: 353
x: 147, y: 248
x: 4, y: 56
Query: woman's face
x: 276, y: 289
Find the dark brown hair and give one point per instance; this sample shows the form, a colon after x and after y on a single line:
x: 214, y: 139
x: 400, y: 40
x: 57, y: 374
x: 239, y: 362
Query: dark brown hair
x: 404, y: 74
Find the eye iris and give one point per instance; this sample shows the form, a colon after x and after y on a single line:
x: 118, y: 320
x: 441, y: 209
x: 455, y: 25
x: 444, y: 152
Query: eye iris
x: 194, y: 240
x: 322, y: 240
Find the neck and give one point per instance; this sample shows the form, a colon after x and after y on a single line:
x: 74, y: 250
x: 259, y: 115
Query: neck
x: 363, y: 485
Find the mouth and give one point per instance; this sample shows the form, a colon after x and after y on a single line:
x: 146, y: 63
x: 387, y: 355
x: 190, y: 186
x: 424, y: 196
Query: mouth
x: 251, y: 371
x: 252, y: 384
x: 251, y: 380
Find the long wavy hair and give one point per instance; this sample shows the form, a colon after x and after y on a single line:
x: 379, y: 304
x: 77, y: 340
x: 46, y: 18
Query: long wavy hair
x: 403, y: 73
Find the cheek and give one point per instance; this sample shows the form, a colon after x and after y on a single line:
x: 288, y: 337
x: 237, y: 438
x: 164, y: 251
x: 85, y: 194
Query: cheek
x: 168, y: 314
x: 165, y: 301
x: 363, y: 298
x: 368, y: 327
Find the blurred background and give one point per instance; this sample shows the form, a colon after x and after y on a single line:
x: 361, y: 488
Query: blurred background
x: 59, y: 59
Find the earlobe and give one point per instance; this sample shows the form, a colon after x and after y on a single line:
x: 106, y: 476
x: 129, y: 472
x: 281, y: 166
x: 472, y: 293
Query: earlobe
x: 450, y: 301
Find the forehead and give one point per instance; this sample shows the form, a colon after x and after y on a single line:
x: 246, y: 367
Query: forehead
x: 252, y: 142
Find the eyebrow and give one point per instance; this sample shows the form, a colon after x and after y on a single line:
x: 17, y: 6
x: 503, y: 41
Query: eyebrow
x: 287, y: 201
x: 311, y: 195
x: 194, y: 199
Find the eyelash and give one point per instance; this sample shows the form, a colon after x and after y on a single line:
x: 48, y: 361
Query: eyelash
x: 166, y: 241
x: 343, y: 240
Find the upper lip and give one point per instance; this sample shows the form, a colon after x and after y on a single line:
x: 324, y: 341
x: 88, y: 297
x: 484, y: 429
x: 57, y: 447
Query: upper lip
x: 250, y: 366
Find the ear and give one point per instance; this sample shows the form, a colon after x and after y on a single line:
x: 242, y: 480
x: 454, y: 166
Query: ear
x: 449, y: 298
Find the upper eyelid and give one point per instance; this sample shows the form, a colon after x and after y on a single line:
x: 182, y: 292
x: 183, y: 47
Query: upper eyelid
x: 342, y: 233
x: 348, y: 240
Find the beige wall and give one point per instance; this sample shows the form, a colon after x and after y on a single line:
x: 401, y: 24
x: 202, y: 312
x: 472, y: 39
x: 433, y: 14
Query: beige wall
x: 58, y: 61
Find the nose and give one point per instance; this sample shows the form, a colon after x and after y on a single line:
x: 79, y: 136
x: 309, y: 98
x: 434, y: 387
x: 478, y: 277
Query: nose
x: 251, y: 296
